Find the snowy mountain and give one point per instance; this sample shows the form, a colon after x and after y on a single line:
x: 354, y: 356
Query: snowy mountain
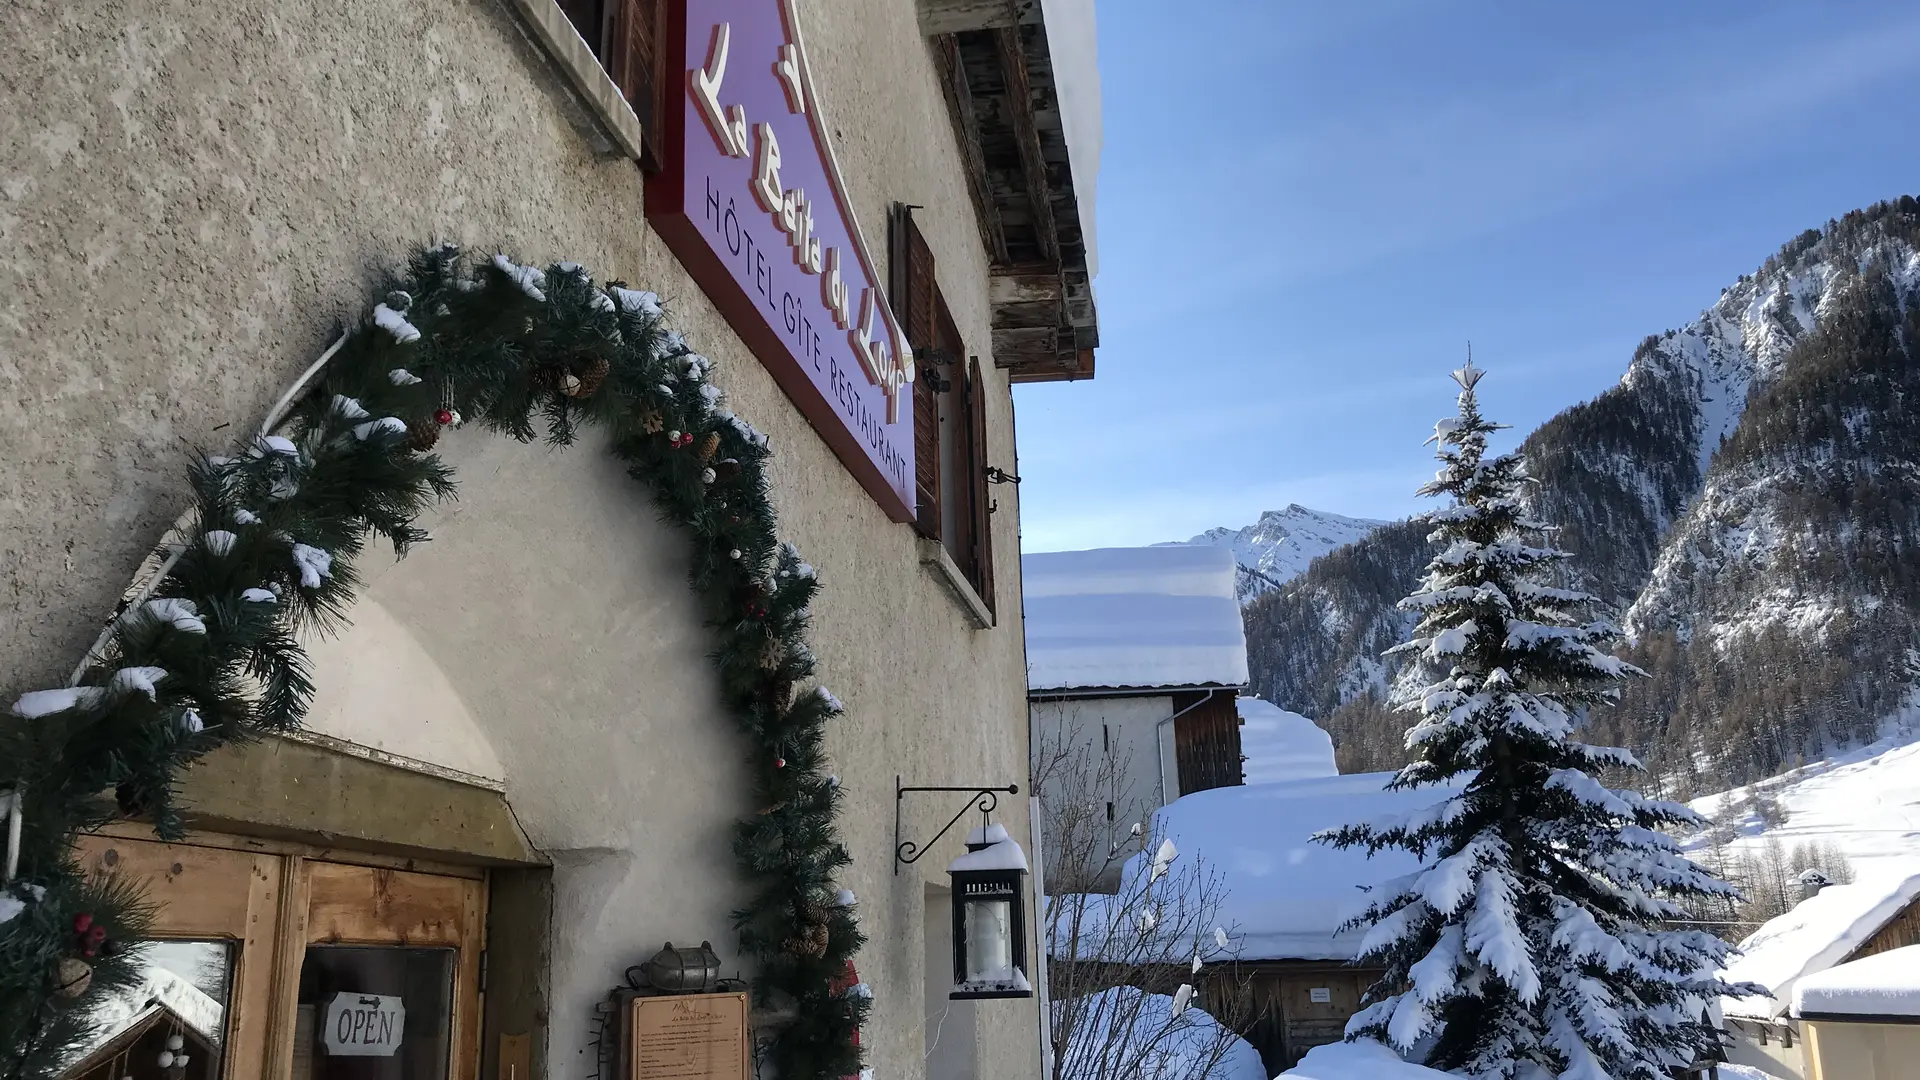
x: 1280, y: 546
x: 1743, y: 500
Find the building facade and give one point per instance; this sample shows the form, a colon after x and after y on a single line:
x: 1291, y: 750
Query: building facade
x: 521, y: 774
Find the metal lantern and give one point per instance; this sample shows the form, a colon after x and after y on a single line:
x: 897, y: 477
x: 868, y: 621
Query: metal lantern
x: 989, y: 917
x: 684, y: 971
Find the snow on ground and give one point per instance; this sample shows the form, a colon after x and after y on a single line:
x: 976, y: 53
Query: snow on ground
x: 1132, y: 617
x: 1744, y: 1072
x: 1363, y: 1059
x: 1885, y: 984
x: 1817, y: 934
x: 1285, y: 895
x: 1865, y: 801
x: 1128, y: 1034
x: 1282, y: 745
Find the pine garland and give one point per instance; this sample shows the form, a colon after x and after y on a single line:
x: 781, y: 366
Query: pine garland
x: 213, y: 657
x: 1535, y: 940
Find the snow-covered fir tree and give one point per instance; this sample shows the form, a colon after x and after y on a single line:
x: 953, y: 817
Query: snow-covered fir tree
x: 1530, y: 944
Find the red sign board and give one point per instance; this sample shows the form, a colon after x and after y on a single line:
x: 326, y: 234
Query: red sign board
x: 751, y: 201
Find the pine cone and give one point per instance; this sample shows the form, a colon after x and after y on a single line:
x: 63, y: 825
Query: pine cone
x: 592, y: 373
x: 709, y: 446
x: 423, y: 433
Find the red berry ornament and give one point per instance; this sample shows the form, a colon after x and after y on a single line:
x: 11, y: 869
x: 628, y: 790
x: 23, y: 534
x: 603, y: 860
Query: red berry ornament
x: 443, y: 417
x: 82, y: 922
x: 779, y: 763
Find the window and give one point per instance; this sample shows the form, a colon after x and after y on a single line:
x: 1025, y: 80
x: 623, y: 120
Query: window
x: 625, y: 36
x: 949, y: 413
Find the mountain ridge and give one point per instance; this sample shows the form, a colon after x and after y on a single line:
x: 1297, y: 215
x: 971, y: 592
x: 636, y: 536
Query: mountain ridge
x: 1717, y: 477
x: 1281, y: 544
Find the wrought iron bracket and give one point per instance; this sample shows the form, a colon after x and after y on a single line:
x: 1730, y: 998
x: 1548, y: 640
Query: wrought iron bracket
x: 985, y: 799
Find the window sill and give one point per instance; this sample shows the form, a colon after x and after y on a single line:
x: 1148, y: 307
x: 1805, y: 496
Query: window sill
x: 611, y: 125
x: 933, y: 556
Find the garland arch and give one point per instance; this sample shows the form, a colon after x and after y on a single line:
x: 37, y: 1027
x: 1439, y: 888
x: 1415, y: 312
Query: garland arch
x: 211, y: 655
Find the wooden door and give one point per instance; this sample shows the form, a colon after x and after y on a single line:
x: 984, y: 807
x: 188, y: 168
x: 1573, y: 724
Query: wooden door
x: 256, y: 940
x: 1315, y: 1007
x: 368, y: 934
x: 216, y: 916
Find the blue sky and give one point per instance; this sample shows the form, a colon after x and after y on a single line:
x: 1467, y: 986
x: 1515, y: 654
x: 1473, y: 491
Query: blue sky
x: 1308, y: 207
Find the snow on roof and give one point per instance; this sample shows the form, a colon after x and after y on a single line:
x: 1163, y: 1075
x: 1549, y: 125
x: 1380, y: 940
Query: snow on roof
x: 1816, y: 935
x: 1884, y: 984
x: 1001, y: 851
x: 1282, y: 745
x: 1363, y: 1059
x: 1126, y: 1031
x: 1133, y: 618
x: 1285, y: 895
x: 1073, y: 46
x: 157, y: 987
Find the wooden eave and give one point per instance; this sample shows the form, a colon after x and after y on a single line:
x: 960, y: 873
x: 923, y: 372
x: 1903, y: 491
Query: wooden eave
x: 997, y: 72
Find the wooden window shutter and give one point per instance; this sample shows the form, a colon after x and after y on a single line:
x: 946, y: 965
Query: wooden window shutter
x: 910, y: 265
x: 982, y: 505
x: 632, y: 60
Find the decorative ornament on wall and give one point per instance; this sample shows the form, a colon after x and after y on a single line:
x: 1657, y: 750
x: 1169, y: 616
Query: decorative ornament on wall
x: 269, y: 551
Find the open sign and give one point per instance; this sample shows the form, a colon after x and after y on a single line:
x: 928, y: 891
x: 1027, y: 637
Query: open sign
x: 363, y: 1025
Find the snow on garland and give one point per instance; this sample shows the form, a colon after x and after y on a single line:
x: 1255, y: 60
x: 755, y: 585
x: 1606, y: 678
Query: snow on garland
x: 214, y: 658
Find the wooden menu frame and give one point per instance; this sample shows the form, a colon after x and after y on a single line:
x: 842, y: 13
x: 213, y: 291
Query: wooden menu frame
x: 684, y: 1037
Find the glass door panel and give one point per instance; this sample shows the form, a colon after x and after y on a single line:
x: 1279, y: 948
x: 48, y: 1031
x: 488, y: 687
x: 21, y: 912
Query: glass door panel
x: 374, y: 1013
x: 171, y: 1023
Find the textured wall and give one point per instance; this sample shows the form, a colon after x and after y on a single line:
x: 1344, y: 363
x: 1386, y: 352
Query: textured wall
x: 193, y: 196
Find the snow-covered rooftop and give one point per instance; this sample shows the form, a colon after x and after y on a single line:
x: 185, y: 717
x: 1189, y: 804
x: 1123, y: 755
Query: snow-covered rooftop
x: 1816, y: 935
x: 1282, y: 745
x: 1286, y: 896
x: 1126, y: 1031
x: 1133, y: 618
x: 1363, y: 1059
x: 1884, y: 984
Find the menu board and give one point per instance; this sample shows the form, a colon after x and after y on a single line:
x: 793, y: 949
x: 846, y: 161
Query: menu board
x: 688, y: 1037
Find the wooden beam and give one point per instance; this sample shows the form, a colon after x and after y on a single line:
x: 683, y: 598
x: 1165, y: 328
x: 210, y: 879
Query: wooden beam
x: 1025, y: 301
x: 955, y: 16
x: 966, y: 130
x: 1033, y: 164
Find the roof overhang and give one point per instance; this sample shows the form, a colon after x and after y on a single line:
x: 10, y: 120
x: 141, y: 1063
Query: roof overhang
x: 1054, y: 692
x: 999, y: 74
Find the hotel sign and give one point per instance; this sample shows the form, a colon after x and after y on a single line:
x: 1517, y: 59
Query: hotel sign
x: 751, y: 201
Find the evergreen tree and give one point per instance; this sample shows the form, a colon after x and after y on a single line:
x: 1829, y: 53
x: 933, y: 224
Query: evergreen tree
x: 1529, y: 945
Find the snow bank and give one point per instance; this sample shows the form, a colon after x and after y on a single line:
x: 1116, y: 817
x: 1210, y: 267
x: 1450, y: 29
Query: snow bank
x: 1286, y: 896
x: 1128, y: 1034
x: 1884, y: 984
x: 1363, y: 1059
x: 1282, y: 745
x: 1816, y: 935
x: 1133, y: 617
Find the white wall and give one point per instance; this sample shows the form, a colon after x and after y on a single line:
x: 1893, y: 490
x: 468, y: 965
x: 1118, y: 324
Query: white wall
x: 1140, y: 741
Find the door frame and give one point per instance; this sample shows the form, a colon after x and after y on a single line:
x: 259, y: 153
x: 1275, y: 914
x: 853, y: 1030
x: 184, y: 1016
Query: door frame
x: 273, y: 925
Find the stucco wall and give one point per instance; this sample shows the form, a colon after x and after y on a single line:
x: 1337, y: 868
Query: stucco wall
x: 192, y: 196
x: 1141, y: 747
